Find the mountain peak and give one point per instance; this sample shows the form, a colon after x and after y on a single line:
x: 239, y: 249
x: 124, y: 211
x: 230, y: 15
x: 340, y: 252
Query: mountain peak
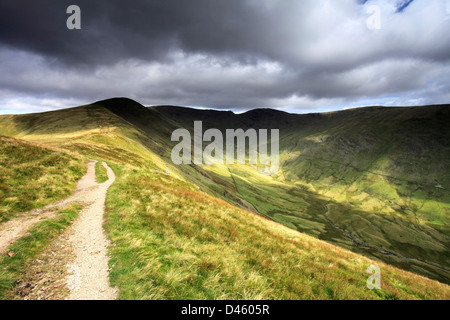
x: 265, y: 111
x: 123, y: 107
x: 119, y: 102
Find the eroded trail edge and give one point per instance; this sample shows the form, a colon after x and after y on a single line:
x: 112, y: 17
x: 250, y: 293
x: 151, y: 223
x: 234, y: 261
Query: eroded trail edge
x: 89, y: 278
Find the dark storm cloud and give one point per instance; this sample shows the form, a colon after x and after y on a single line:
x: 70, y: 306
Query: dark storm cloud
x: 224, y: 53
x: 115, y: 29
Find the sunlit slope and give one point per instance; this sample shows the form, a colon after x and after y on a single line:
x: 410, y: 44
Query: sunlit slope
x: 386, y: 175
x: 364, y: 179
x: 92, y: 130
x: 32, y: 176
x: 174, y: 242
x: 380, y: 175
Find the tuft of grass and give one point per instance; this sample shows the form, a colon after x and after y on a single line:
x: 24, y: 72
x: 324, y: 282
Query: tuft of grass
x: 12, y: 269
x: 100, y: 173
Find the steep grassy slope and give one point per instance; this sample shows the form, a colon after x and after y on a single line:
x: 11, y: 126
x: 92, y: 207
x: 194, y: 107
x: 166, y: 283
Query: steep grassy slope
x: 173, y: 242
x: 32, y: 176
x: 337, y: 181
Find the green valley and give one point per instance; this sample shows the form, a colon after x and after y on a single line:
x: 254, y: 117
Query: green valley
x: 355, y: 188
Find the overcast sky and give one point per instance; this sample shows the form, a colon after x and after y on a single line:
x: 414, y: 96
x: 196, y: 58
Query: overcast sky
x: 294, y: 55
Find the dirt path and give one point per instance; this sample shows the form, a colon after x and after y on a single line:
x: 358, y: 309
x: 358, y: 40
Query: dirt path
x: 81, y: 250
x: 89, y: 269
x: 16, y: 228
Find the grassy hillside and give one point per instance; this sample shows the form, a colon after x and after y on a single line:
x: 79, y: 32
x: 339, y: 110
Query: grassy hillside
x: 13, y: 269
x: 32, y: 176
x: 172, y: 242
x: 336, y: 198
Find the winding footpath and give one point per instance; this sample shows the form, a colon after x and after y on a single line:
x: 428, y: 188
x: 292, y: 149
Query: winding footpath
x: 16, y: 228
x: 89, y: 278
x: 88, y: 267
